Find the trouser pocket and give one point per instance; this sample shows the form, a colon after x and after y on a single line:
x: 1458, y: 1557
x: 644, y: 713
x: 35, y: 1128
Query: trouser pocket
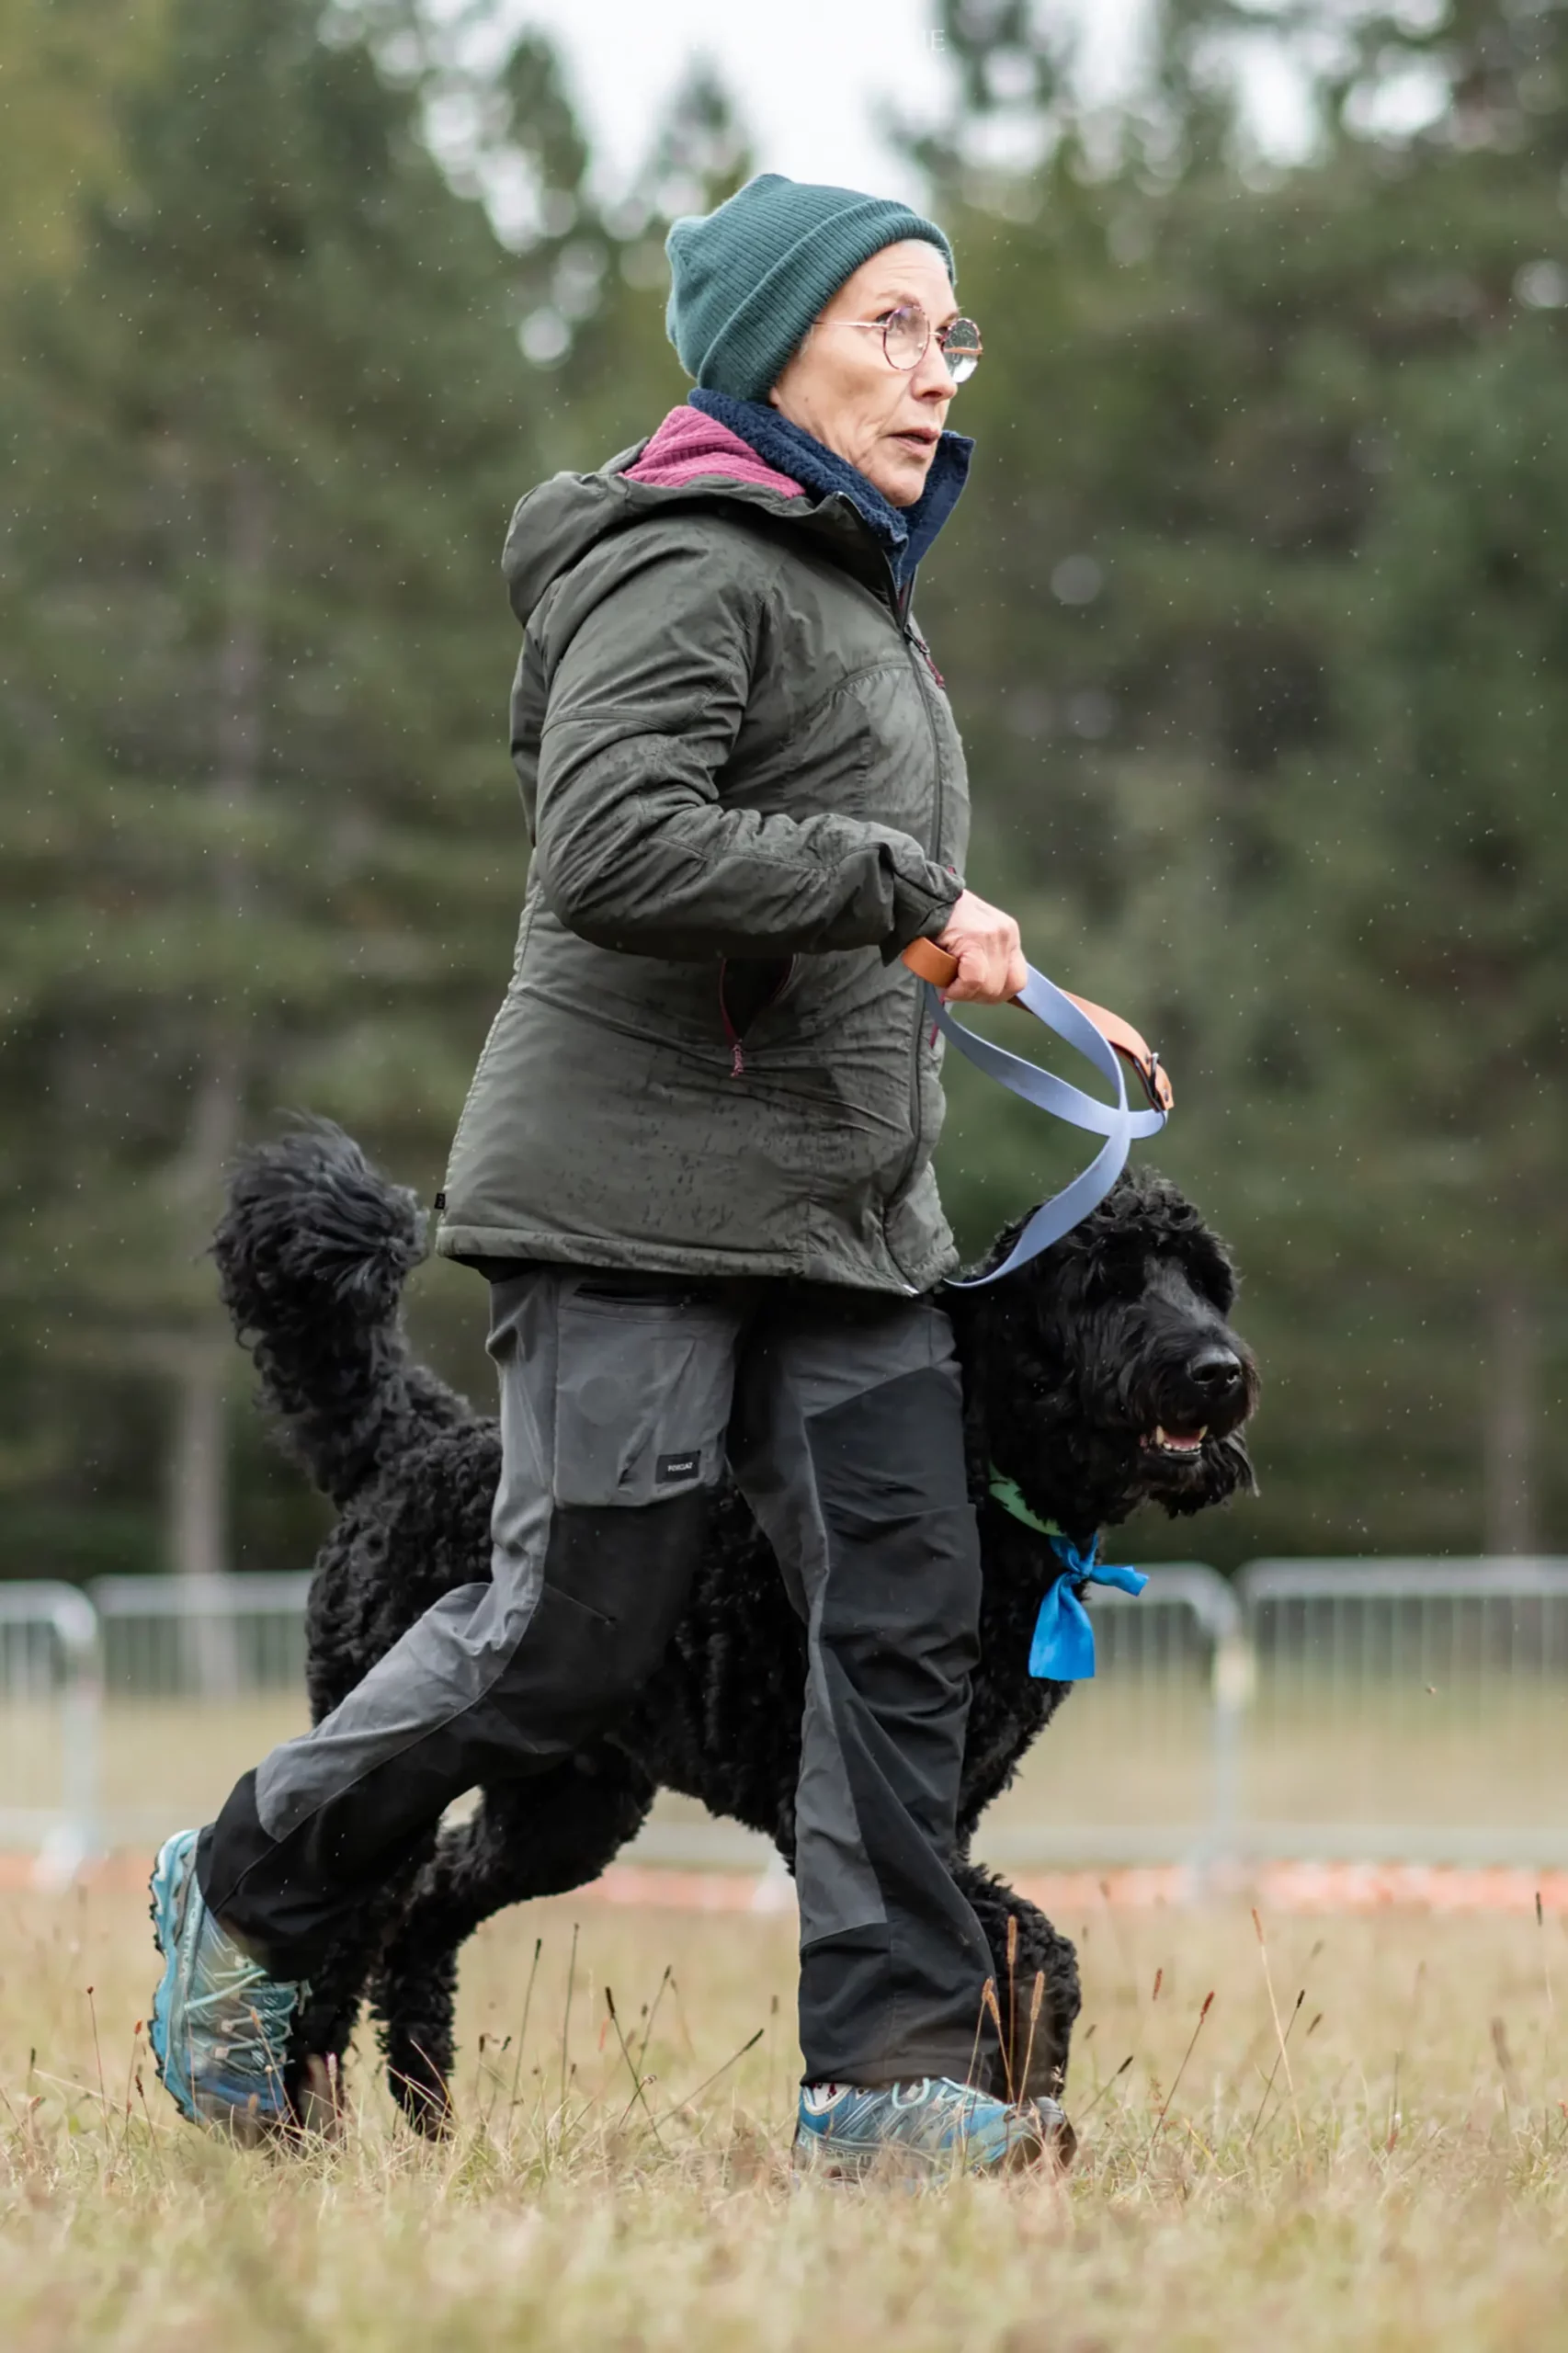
x: 643, y: 1392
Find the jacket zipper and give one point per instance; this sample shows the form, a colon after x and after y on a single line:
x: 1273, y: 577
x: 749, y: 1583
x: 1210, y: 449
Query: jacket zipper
x: 924, y: 652
x: 916, y: 653
x: 733, y: 1038
x: 915, y: 648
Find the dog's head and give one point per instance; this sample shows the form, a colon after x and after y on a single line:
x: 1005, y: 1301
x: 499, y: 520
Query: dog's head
x: 1105, y: 1374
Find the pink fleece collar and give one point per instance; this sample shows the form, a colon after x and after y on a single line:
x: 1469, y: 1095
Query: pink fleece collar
x: 689, y: 445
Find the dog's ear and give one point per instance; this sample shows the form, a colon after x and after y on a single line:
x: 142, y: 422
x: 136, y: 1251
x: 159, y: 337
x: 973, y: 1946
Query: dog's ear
x: 1210, y: 1269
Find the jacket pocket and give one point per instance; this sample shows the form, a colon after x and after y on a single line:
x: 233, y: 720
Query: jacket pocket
x: 747, y: 989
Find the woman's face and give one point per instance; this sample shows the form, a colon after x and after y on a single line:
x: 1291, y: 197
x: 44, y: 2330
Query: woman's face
x: 840, y: 386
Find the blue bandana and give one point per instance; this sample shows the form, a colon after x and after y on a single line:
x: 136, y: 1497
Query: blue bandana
x: 1064, y: 1644
x: 905, y: 533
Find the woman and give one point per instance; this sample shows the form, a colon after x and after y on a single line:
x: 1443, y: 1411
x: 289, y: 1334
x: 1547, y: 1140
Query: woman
x: 695, y: 1163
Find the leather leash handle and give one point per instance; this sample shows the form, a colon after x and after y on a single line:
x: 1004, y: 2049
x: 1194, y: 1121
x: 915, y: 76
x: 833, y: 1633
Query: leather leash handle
x: 929, y: 962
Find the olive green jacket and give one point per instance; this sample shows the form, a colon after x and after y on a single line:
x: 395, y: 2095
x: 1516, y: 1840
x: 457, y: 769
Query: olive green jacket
x: 746, y: 794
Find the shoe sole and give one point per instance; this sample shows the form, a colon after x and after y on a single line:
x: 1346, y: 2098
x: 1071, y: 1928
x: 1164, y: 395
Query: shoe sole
x: 171, y: 1874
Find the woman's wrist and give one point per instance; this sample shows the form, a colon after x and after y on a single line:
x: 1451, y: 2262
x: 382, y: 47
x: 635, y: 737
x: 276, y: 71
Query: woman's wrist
x: 922, y: 909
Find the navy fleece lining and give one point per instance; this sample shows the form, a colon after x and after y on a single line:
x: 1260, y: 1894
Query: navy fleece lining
x: 905, y: 533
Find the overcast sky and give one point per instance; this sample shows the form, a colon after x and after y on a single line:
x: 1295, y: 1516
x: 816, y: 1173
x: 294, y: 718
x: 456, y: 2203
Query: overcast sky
x: 806, y: 73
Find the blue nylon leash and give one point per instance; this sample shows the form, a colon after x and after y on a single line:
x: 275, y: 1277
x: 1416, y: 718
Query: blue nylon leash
x: 1062, y: 1649
x: 1118, y: 1122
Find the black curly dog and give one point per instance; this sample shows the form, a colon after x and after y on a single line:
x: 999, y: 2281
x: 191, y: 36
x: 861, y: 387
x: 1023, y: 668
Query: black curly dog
x: 1089, y: 1376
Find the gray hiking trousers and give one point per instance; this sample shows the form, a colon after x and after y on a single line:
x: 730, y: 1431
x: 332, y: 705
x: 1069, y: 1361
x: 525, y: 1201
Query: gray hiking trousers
x: 623, y: 1397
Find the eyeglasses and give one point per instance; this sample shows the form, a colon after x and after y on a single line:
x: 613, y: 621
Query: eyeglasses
x: 906, y: 337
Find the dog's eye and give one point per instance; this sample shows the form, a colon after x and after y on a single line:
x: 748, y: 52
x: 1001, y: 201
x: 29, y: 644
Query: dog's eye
x: 1210, y: 1275
x: 1112, y: 1278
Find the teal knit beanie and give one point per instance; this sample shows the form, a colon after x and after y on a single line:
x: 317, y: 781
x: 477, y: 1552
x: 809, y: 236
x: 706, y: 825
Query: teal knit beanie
x: 747, y: 280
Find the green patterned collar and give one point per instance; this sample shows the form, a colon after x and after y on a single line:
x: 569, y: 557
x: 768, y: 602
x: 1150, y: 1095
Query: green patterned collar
x: 1005, y: 1492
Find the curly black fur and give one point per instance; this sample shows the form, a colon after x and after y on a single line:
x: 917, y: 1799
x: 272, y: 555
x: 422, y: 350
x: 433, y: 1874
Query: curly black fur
x: 1071, y: 1366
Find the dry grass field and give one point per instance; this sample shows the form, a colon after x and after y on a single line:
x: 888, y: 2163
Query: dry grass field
x: 1404, y: 2185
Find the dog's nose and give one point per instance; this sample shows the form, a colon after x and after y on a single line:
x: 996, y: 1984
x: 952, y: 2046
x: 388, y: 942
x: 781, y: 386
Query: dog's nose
x: 1215, y: 1371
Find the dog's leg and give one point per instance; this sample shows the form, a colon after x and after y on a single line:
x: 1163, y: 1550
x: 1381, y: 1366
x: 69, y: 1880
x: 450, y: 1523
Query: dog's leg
x: 325, y: 2027
x: 540, y: 1837
x: 1036, y: 2050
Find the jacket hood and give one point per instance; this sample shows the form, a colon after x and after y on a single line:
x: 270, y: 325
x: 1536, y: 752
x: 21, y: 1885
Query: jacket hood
x: 556, y: 524
x: 689, y: 445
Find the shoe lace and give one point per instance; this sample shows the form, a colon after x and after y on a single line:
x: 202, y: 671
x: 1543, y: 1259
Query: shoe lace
x: 243, y: 2008
x: 946, y: 2113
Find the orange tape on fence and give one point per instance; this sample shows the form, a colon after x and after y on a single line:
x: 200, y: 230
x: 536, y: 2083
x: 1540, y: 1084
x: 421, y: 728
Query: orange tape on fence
x: 1281, y: 1887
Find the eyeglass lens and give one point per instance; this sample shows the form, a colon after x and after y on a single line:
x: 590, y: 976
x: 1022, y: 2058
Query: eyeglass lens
x: 908, y: 331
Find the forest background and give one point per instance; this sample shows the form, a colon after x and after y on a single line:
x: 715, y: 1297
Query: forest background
x: 1254, y: 617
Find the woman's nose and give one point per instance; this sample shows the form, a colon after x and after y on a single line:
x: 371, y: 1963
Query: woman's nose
x: 930, y: 377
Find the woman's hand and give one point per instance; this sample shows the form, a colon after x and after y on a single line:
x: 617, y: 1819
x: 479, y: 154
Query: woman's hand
x: 991, y: 958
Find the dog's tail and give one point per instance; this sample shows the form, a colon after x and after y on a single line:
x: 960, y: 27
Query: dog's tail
x: 312, y: 1251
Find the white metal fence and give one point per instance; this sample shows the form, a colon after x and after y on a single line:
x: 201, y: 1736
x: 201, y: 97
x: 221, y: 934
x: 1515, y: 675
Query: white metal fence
x: 1386, y: 1710
x: 1139, y: 1764
x: 1407, y: 1710
x: 202, y: 1677
x: 49, y: 1712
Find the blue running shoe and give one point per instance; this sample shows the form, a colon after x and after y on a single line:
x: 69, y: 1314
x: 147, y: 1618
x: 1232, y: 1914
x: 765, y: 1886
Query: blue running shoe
x: 220, y: 2025
x: 922, y: 2130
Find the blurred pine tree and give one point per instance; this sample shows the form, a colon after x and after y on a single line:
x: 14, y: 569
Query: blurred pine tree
x: 266, y: 850
x: 1251, y: 617
x: 61, y: 68
x: 1254, y: 617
